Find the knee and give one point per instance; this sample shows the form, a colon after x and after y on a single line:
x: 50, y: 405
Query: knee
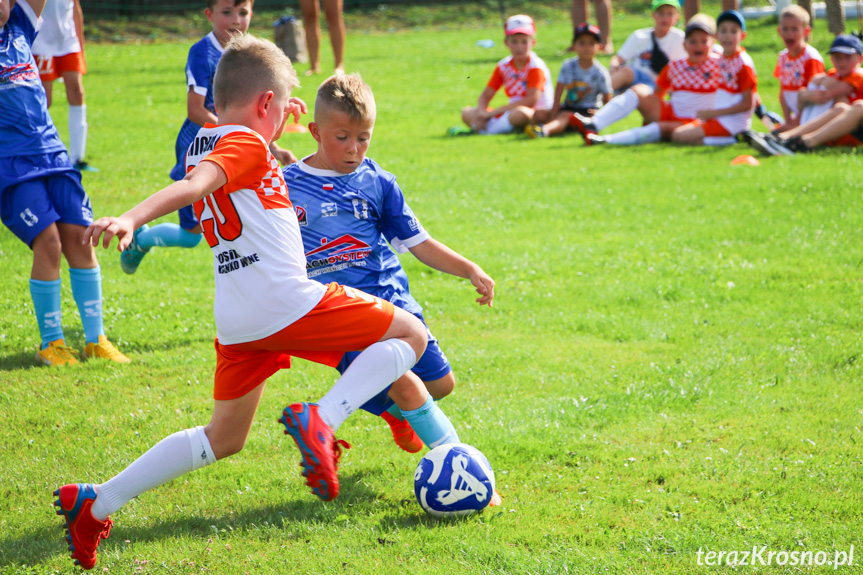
x: 48, y: 246
x: 225, y: 445
x: 442, y: 387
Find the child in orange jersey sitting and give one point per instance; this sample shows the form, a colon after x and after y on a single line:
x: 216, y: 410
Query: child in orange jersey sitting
x: 525, y: 79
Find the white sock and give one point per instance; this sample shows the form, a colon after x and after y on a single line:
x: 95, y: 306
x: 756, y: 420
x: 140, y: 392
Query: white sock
x: 172, y: 457
x: 636, y: 136
x: 719, y: 140
x: 77, y: 132
x: 617, y: 109
x: 375, y: 368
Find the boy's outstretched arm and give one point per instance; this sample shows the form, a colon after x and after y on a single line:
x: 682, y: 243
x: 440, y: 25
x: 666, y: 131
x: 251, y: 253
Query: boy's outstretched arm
x: 438, y: 256
x: 203, y: 180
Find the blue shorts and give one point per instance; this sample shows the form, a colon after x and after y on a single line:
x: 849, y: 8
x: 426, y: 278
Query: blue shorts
x: 431, y: 366
x: 642, y: 77
x: 38, y: 190
x: 188, y: 221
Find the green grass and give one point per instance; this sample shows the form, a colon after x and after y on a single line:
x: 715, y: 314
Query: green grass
x: 672, y: 362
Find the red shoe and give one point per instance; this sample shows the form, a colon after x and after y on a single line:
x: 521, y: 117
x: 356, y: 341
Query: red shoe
x: 403, y: 434
x: 83, y: 531
x: 319, y: 447
x: 583, y: 125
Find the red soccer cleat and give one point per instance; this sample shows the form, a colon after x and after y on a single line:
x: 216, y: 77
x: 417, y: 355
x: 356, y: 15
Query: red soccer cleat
x: 83, y: 531
x: 403, y: 434
x: 319, y: 447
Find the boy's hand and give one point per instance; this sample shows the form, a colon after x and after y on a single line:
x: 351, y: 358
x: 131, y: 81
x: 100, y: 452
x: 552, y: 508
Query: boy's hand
x: 282, y: 155
x: 484, y: 286
x: 122, y: 227
x: 705, y: 114
x: 297, y: 108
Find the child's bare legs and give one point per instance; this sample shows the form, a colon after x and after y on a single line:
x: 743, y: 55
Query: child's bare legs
x: 57, y: 239
x: 818, y: 122
x: 622, y: 77
x: 469, y: 115
x: 558, y: 125
x: 520, y: 116
x: 691, y: 134
x: 417, y: 405
x: 843, y: 123
x: 580, y: 12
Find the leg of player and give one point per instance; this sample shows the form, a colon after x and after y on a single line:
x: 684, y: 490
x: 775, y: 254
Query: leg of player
x: 520, y: 117
x: 86, y: 508
x: 313, y: 426
x: 418, y: 408
x: 48, y: 85
x: 816, y: 123
x: 74, y: 83
x: 86, y: 281
x: 45, y: 293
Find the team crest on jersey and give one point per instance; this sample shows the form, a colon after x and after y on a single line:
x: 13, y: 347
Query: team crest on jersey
x: 301, y: 216
x: 329, y: 210
x: 361, y: 209
x: 342, y: 252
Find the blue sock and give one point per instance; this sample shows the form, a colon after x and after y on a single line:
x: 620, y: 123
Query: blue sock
x: 167, y: 235
x: 431, y: 424
x: 87, y: 291
x: 396, y: 412
x: 46, y: 302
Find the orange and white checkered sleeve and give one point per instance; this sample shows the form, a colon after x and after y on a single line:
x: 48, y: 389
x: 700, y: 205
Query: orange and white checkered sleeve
x: 244, y: 159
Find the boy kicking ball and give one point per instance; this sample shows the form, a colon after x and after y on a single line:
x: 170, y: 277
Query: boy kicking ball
x: 266, y: 308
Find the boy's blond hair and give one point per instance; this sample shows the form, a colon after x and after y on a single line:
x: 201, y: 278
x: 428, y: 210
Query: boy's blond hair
x: 212, y: 3
x: 797, y: 12
x: 346, y: 93
x: 248, y: 67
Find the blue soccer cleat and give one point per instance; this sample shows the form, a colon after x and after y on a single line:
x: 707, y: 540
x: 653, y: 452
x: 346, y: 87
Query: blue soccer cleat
x: 131, y: 257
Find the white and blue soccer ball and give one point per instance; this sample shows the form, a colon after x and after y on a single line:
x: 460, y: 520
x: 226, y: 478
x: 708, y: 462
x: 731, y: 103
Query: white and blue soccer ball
x: 453, y: 480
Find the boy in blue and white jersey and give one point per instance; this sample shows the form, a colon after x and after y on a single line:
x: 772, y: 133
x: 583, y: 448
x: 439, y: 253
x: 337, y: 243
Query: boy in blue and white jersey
x: 350, y: 211
x: 42, y: 200
x: 228, y: 17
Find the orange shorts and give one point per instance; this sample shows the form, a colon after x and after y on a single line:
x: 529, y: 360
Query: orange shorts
x: 667, y: 114
x: 712, y: 128
x: 346, y: 319
x: 849, y: 140
x: 50, y: 67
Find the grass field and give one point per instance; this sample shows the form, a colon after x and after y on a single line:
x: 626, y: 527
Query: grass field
x: 672, y: 364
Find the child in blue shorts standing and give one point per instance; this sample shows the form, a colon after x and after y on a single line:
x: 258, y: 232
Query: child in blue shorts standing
x: 41, y: 198
x: 228, y: 17
x: 350, y: 211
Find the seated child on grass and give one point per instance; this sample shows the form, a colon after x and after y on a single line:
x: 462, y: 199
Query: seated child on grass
x: 797, y: 64
x: 692, y: 81
x: 646, y: 51
x: 583, y: 83
x: 842, y: 83
x: 735, y: 97
x: 525, y: 79
x: 350, y: 212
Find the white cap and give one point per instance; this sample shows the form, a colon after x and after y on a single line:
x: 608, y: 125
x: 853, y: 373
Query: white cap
x: 520, y: 24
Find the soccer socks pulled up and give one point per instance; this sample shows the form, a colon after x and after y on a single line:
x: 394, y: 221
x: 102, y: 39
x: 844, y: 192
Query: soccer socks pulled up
x: 77, y: 132
x: 172, y: 457
x: 167, y: 235
x: 378, y: 366
x: 87, y: 291
x: 636, y: 136
x: 617, y: 109
x: 431, y: 424
x: 46, y: 303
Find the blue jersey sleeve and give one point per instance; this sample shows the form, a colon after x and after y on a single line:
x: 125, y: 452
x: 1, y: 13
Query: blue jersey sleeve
x: 198, y: 69
x: 399, y: 225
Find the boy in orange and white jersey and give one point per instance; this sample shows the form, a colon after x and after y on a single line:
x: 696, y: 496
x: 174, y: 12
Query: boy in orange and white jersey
x: 266, y: 309
x: 735, y: 97
x: 797, y: 64
x: 525, y: 79
x: 692, y: 82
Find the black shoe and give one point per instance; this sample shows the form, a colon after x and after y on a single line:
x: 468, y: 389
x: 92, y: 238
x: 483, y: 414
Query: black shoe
x: 759, y: 142
x: 82, y: 166
x: 796, y: 144
x: 780, y: 145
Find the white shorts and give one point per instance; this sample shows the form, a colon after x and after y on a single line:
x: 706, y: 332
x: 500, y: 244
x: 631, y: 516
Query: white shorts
x: 498, y: 125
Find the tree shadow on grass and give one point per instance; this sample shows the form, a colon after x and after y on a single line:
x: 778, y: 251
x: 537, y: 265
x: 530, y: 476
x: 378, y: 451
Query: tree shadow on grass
x: 33, y: 548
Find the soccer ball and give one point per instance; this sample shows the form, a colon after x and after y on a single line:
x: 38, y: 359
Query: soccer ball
x: 453, y: 480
